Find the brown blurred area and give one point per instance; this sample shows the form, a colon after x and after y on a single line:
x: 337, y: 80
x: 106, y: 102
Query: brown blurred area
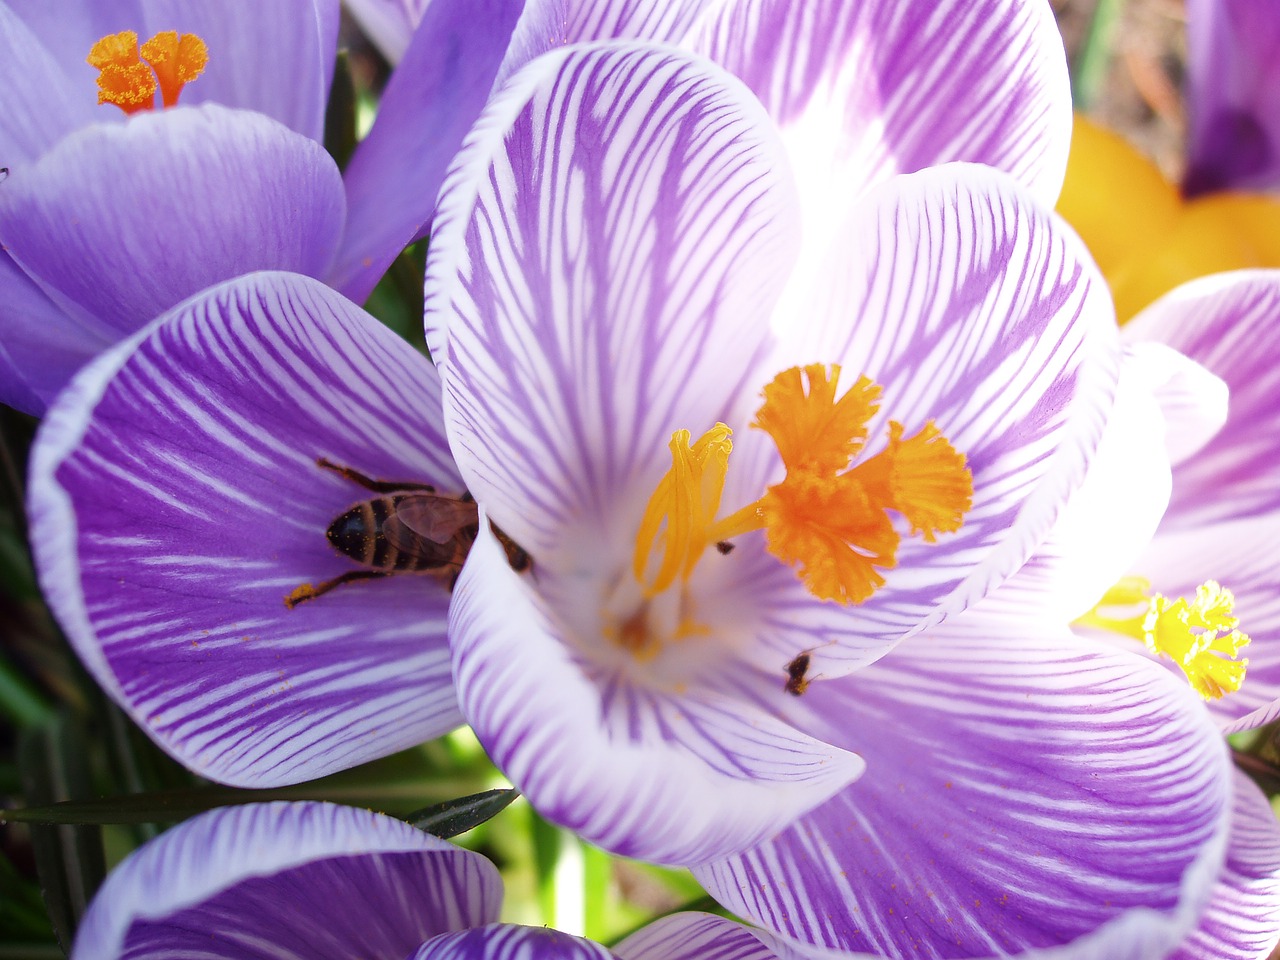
x: 1142, y: 94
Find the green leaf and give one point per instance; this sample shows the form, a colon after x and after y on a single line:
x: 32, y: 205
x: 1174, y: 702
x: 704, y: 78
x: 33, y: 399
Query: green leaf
x: 69, y: 859
x: 1093, y: 60
x: 453, y: 817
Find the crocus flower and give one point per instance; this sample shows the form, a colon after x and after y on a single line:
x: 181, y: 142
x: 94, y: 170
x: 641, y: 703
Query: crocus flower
x: 655, y: 718
x: 323, y: 881
x: 1220, y: 525
x: 1148, y: 234
x: 1193, y: 586
x: 152, y: 149
x: 170, y: 577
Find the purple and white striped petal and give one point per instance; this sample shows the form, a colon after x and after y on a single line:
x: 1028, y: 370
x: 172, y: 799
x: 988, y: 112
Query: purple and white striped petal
x: 1233, y: 96
x: 119, y: 222
x: 176, y: 500
x: 973, y: 307
x: 699, y: 936
x: 281, y: 881
x: 675, y: 772
x: 1166, y: 406
x: 1243, y: 918
x: 868, y: 89
x: 1227, y: 323
x: 507, y: 941
x: 1028, y: 791
x: 429, y: 104
x: 608, y: 250
x: 546, y: 25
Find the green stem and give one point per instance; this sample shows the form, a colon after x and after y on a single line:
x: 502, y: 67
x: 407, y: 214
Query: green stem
x: 1094, y: 57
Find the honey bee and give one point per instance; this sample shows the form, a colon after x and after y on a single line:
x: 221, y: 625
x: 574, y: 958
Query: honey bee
x: 408, y: 528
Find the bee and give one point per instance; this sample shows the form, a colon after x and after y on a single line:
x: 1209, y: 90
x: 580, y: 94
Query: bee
x: 798, y: 678
x: 797, y: 683
x: 407, y: 528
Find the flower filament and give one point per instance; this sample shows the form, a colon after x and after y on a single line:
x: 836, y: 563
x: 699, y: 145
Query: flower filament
x: 829, y: 517
x: 172, y: 61
x: 1199, y: 634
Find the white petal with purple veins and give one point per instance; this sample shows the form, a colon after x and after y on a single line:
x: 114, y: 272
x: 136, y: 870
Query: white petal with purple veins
x: 1227, y: 323
x: 284, y: 881
x: 1243, y: 918
x: 1020, y: 792
x: 607, y: 253
x: 176, y: 500
x: 666, y: 768
x: 864, y: 90
x: 972, y: 307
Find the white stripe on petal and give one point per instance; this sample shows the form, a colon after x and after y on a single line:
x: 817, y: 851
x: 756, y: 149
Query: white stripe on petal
x: 696, y: 936
x: 864, y: 90
x: 508, y: 941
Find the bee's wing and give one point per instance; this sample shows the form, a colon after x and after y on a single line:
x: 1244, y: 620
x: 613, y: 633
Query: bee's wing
x: 424, y: 524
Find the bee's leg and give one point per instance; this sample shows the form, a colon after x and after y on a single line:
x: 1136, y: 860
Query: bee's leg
x: 377, y: 486
x: 309, y: 592
x: 517, y: 557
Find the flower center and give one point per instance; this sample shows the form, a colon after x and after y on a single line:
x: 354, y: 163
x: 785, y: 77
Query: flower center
x: 1199, y: 635
x: 829, y: 517
x: 172, y: 61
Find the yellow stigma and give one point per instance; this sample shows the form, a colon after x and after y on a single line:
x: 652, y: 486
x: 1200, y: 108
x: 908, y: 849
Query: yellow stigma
x: 1199, y: 635
x: 826, y: 518
x: 127, y: 82
x: 682, y: 509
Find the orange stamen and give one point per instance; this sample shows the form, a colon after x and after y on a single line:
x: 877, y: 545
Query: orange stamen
x: 124, y: 80
x: 176, y: 60
x: 130, y: 84
x: 814, y: 430
x: 835, y: 530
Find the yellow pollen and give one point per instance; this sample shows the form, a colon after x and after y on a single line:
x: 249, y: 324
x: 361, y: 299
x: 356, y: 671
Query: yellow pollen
x: 826, y: 518
x: 130, y: 84
x: 1199, y: 635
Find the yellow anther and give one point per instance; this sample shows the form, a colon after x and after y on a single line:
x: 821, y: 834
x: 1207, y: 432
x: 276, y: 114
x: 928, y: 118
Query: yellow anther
x: 130, y: 84
x: 1199, y: 635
